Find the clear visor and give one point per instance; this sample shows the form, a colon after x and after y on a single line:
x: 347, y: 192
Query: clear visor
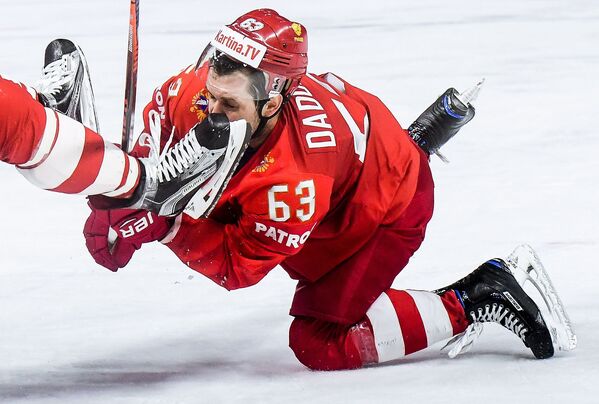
x: 231, y: 78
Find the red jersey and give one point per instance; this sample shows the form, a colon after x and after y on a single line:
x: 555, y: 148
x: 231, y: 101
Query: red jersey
x: 336, y: 166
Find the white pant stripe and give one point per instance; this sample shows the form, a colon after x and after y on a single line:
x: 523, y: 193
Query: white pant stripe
x: 388, y: 337
x: 46, y: 141
x: 64, y: 157
x: 435, y: 318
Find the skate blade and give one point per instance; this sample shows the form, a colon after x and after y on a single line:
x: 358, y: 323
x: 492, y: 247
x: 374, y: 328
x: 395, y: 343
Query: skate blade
x: 526, y: 266
x: 89, y: 115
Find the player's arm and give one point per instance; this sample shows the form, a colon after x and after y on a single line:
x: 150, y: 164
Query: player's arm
x: 276, y: 220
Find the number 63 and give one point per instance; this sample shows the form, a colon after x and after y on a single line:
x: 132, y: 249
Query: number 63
x: 279, y: 211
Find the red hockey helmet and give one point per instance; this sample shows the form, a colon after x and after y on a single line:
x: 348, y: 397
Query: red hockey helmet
x: 268, y: 42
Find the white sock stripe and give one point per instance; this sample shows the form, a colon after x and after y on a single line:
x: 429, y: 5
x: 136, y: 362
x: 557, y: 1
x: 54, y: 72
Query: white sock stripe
x: 131, y: 179
x: 133, y: 176
x: 435, y: 318
x: 63, y: 158
x: 388, y: 337
x: 111, y: 171
x: 46, y: 142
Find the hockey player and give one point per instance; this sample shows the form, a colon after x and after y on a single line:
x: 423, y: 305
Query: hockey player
x: 331, y: 188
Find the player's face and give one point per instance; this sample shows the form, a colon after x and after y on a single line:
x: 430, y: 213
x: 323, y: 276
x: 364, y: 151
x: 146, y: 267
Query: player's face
x: 228, y: 94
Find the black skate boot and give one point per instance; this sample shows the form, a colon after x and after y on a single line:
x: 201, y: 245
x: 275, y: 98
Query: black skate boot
x: 492, y: 294
x: 65, y: 85
x: 192, y: 174
x: 443, y: 119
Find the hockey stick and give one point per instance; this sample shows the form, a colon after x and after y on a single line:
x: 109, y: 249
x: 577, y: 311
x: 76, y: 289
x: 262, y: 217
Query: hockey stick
x: 131, y: 76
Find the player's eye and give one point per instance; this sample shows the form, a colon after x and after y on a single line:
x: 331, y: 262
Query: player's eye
x: 230, y: 105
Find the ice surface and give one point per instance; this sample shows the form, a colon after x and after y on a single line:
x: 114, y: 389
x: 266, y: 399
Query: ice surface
x: 524, y: 170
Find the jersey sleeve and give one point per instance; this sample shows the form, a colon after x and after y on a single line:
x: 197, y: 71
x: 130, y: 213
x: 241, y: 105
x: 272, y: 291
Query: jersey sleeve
x: 276, y: 219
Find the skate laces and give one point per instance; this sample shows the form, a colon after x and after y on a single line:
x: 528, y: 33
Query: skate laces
x: 57, y: 74
x: 172, y: 162
x: 463, y: 342
x: 496, y: 313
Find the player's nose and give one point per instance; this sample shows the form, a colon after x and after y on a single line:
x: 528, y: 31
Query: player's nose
x: 214, y: 106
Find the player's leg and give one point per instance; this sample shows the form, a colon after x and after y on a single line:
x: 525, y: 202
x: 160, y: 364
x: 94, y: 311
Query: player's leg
x: 351, y: 317
x: 399, y: 323
x: 57, y: 153
x: 19, y: 134
x: 355, y: 324
x: 402, y: 322
x: 332, y: 329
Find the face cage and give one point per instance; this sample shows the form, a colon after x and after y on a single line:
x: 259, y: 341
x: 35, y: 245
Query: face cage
x: 263, y: 85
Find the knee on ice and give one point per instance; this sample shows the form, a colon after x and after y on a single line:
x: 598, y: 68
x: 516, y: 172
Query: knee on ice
x: 321, y: 345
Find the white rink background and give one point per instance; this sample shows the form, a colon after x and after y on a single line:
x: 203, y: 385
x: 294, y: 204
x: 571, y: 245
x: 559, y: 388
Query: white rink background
x: 525, y: 170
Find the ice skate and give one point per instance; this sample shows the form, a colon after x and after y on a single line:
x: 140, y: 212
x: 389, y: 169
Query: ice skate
x: 192, y: 174
x: 443, y: 119
x: 66, y: 85
x: 494, y: 293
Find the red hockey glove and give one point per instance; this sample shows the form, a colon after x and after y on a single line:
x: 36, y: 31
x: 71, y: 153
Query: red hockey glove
x: 132, y: 227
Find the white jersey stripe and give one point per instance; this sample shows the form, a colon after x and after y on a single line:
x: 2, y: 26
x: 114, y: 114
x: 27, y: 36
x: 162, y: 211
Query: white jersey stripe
x: 323, y: 84
x: 335, y: 82
x: 435, y: 318
x: 46, y: 142
x: 388, y: 337
x: 63, y: 159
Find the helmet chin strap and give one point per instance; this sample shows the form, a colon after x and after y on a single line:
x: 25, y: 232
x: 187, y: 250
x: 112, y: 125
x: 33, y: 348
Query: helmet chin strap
x: 260, y: 106
x: 264, y: 119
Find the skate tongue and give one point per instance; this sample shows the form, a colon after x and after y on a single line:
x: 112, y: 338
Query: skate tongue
x: 56, y: 49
